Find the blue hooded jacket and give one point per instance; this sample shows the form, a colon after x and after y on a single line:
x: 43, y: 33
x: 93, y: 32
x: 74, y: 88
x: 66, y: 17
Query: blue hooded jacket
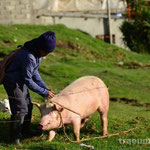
x: 24, y: 70
x: 24, y: 66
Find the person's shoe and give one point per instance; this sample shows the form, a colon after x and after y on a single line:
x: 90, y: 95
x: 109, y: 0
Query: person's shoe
x: 32, y: 132
x: 16, y: 129
x: 35, y: 132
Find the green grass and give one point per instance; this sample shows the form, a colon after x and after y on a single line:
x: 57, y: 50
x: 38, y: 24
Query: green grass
x: 78, y: 54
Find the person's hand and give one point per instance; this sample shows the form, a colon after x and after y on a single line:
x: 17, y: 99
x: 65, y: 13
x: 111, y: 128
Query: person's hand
x: 51, y: 94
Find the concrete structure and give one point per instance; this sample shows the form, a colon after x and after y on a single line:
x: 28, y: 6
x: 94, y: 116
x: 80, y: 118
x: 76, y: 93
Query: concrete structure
x: 41, y: 12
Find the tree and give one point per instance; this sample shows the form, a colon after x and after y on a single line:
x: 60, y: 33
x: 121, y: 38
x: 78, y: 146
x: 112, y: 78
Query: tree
x: 136, y: 30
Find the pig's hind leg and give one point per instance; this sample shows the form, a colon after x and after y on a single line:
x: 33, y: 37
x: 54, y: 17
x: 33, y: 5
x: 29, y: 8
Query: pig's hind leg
x: 84, y: 121
x: 103, y: 115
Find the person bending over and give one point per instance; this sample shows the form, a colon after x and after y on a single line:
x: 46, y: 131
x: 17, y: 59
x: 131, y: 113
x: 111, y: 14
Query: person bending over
x: 22, y: 74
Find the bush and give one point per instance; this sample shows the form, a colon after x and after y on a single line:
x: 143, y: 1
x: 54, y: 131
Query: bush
x: 136, y: 32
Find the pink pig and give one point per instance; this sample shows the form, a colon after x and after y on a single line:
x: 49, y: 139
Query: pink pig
x: 75, y: 104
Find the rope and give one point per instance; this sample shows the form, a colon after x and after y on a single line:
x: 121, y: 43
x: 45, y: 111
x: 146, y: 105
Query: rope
x: 57, y: 94
x: 66, y: 108
x: 100, y: 137
x: 80, y: 91
x: 64, y: 129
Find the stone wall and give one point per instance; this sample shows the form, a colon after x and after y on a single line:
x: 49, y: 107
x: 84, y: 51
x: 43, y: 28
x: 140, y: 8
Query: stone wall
x: 24, y: 12
x: 15, y: 11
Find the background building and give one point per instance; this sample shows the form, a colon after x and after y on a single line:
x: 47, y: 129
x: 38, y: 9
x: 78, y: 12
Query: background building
x: 90, y: 16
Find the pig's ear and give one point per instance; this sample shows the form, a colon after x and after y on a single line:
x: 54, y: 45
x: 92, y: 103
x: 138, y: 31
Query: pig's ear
x: 58, y: 108
x: 37, y: 104
x: 49, y: 105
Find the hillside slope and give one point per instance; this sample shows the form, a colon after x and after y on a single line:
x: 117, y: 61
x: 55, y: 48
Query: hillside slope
x: 78, y: 54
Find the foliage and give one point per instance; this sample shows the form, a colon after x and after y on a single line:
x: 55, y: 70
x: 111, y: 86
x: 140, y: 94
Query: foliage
x: 136, y: 31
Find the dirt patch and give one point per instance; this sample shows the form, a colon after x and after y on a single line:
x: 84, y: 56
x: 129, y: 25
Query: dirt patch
x: 132, y: 102
x: 87, y: 53
x: 133, y: 65
x: 138, y: 120
x: 6, y: 43
x: 67, y: 45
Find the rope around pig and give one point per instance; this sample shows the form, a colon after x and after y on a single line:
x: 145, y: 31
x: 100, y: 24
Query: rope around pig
x: 100, y: 137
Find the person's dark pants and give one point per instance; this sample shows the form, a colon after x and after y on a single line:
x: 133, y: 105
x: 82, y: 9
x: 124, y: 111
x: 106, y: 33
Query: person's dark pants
x: 20, y: 105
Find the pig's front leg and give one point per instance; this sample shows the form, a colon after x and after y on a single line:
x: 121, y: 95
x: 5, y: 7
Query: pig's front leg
x: 76, y: 128
x: 52, y: 134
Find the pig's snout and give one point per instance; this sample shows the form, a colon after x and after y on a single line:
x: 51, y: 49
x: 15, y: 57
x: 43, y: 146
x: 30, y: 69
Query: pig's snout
x: 40, y: 126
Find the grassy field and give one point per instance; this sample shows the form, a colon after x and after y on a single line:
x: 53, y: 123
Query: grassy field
x: 78, y: 54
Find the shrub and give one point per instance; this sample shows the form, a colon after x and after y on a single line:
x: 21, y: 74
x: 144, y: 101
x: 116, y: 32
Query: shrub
x: 136, y: 31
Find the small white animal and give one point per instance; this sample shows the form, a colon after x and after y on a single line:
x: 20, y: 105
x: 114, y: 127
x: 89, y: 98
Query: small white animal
x: 4, y: 106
